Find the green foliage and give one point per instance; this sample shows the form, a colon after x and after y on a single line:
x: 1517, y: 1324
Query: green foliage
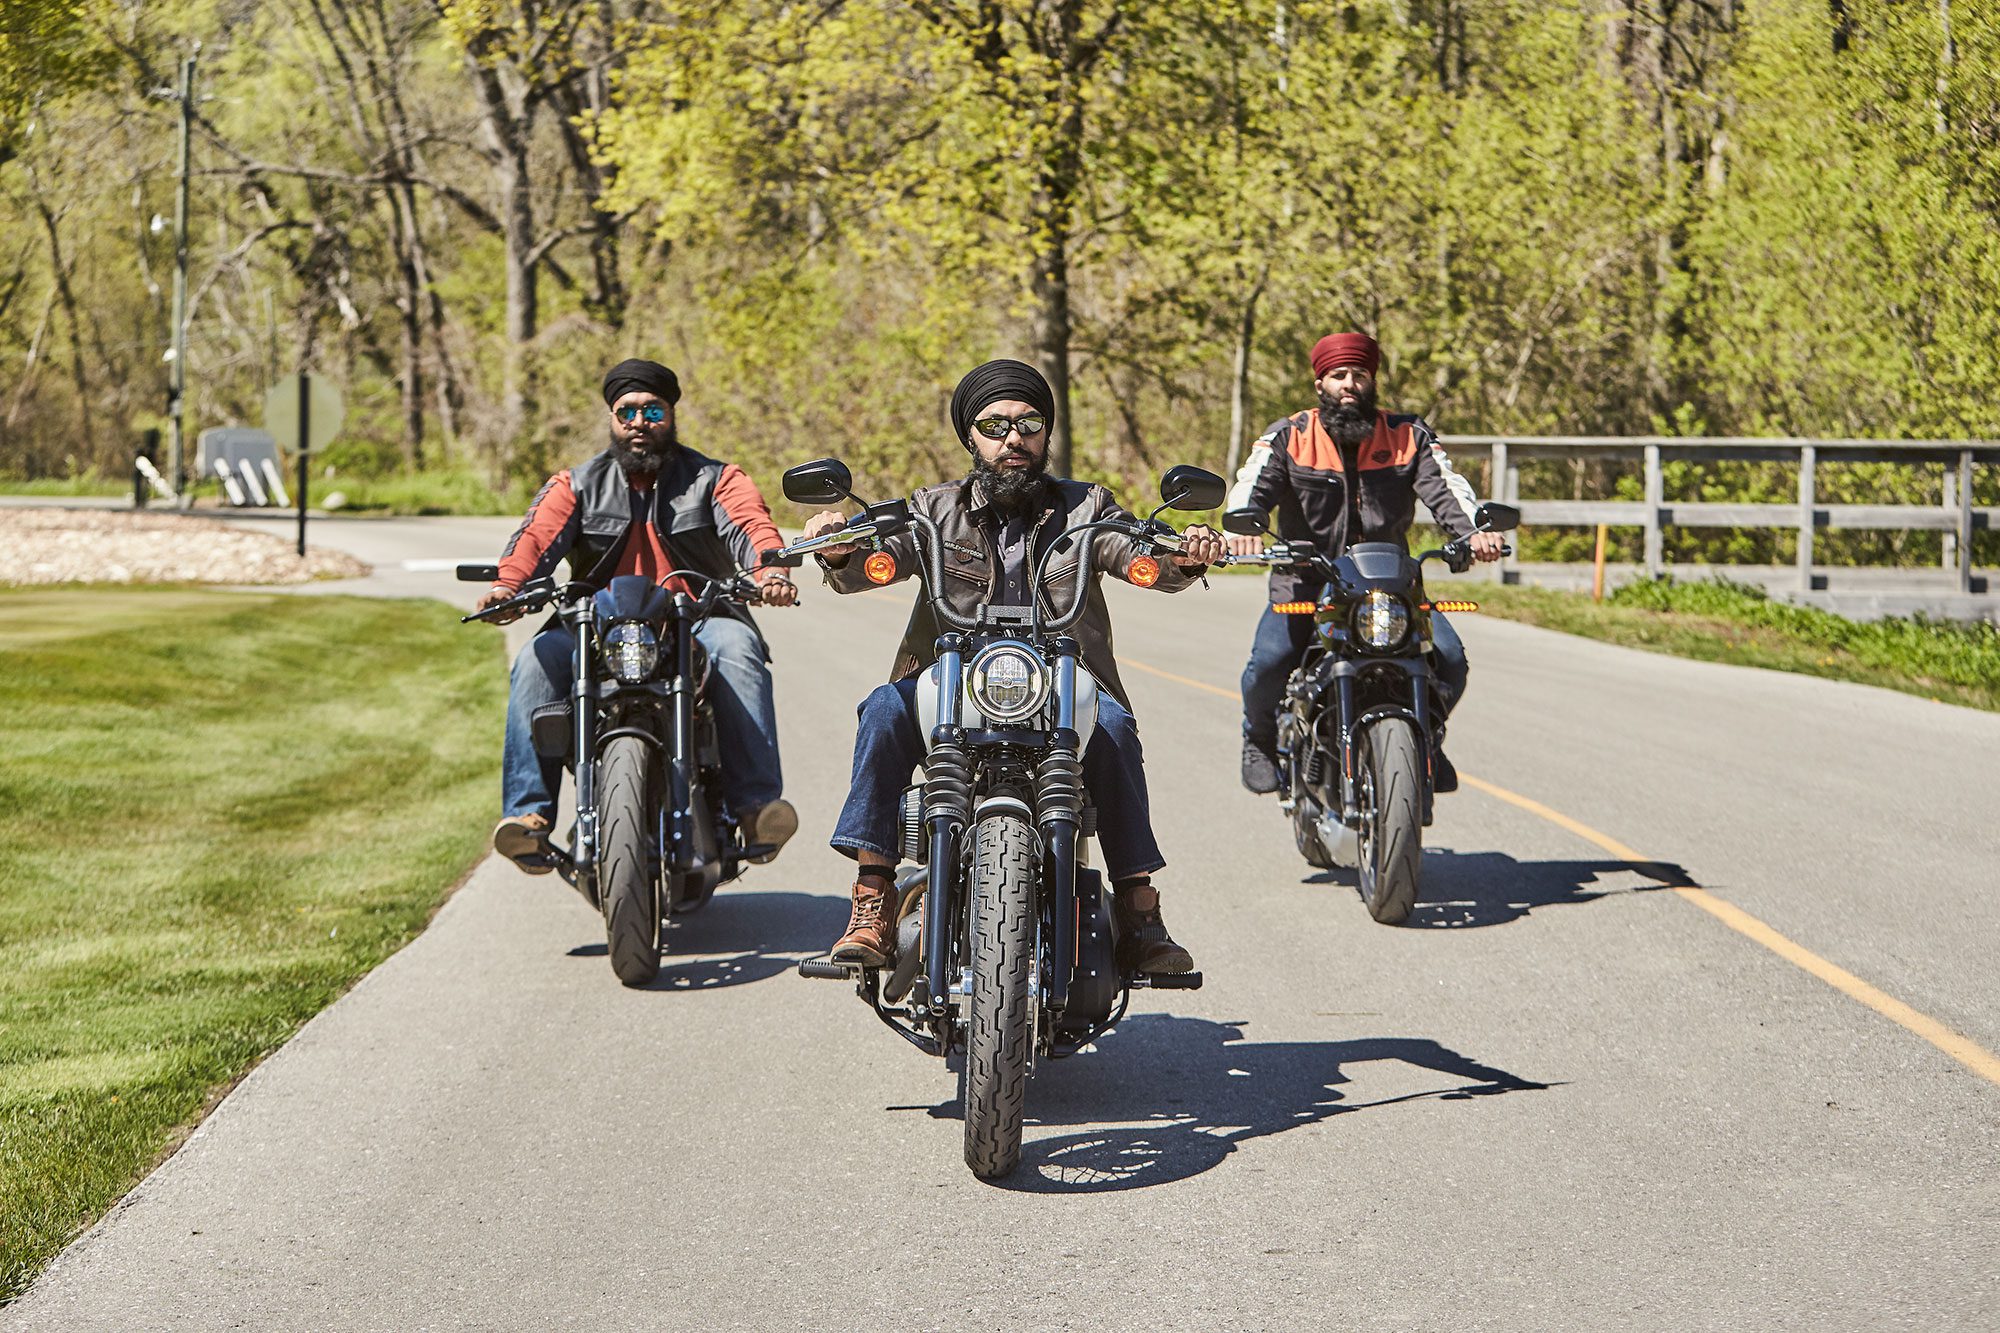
x: 1570, y: 217
x: 439, y: 490
x: 47, y: 50
x: 170, y: 912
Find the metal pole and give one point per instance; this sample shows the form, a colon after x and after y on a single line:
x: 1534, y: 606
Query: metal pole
x: 177, y: 373
x: 305, y: 441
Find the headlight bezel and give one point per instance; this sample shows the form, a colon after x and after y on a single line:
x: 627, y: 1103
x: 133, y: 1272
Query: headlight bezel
x: 1382, y: 621
x: 979, y: 682
x: 632, y: 650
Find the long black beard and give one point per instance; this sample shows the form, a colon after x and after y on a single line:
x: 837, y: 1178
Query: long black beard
x: 1348, y: 423
x: 1012, y: 491
x: 649, y: 463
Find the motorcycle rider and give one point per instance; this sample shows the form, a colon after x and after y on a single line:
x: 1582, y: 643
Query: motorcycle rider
x: 1342, y: 473
x: 995, y: 523
x: 646, y: 505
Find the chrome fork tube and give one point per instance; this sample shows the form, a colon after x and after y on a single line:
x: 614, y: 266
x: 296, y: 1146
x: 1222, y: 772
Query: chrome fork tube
x: 946, y: 808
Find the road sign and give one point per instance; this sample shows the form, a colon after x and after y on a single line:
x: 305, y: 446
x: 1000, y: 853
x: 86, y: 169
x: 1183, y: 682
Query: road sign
x: 281, y: 411
x: 303, y: 413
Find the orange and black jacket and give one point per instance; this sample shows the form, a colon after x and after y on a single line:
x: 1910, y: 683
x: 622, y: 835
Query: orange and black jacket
x: 1316, y: 492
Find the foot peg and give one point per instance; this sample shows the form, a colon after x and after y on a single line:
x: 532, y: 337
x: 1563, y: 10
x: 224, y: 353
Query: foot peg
x: 821, y: 969
x: 1166, y: 980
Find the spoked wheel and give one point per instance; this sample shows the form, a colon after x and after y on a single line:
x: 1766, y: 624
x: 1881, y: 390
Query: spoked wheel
x: 993, y: 1087
x: 626, y: 879
x: 1391, y: 819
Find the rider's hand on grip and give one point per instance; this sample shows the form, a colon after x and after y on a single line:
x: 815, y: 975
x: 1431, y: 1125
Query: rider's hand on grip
x: 1200, y: 545
x: 829, y: 520
x: 493, y: 597
x: 778, y: 591
x: 1242, y: 545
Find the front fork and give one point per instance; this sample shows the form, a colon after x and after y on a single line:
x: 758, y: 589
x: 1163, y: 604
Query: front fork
x: 1059, y: 798
x: 679, y: 852
x: 947, y: 809
x: 1345, y: 674
x: 583, y: 716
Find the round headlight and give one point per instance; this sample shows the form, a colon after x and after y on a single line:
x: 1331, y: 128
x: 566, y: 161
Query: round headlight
x: 1008, y: 683
x: 1382, y: 620
x: 634, y: 651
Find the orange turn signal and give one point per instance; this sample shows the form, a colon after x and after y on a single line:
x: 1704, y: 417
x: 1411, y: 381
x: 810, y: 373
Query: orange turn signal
x: 879, y: 567
x: 1144, y: 571
x: 1293, y: 608
x: 1454, y: 606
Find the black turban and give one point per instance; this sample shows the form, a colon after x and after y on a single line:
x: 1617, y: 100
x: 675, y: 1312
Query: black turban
x: 637, y: 376
x: 998, y: 381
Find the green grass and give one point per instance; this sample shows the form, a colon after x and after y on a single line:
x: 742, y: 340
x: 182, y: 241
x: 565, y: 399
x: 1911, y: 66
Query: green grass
x: 221, y: 811
x: 87, y: 484
x: 1719, y: 621
x: 438, y: 491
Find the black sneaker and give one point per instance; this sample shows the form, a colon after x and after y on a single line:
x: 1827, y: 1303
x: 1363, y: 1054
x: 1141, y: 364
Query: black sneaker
x: 1444, y: 777
x: 1260, y: 768
x: 1143, y: 942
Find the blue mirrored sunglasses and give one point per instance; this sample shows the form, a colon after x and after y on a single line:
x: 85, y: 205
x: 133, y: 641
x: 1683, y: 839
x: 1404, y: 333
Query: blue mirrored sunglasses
x: 652, y: 412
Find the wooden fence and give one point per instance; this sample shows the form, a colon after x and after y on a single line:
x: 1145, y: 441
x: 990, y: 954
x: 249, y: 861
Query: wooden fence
x: 1957, y: 517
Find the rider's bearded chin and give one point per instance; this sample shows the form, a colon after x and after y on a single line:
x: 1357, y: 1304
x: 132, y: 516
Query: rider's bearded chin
x: 1011, y: 489
x: 646, y: 458
x: 1350, y: 419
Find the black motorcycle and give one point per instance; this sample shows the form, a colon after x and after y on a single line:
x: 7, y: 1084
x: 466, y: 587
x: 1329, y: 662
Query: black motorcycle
x: 650, y: 841
x: 1005, y: 938
x: 1358, y: 729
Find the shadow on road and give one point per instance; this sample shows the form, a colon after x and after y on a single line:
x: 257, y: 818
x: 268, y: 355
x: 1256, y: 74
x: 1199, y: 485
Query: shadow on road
x: 1464, y: 889
x: 741, y: 937
x: 1201, y: 1090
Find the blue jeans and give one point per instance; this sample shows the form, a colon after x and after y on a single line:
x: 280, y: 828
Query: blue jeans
x: 1282, y: 640
x: 889, y: 745
x: 739, y: 694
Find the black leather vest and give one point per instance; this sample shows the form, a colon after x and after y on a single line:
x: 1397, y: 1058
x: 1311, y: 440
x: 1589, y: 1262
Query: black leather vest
x: 681, y: 508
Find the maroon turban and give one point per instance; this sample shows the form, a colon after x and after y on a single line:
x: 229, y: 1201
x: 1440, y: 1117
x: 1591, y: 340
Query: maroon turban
x: 1345, y: 349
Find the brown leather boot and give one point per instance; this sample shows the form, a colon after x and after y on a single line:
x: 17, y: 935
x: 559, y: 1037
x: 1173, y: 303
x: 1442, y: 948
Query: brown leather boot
x: 1143, y: 942
x: 870, y: 940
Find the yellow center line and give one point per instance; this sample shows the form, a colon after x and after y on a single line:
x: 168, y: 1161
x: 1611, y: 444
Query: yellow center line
x: 1959, y: 1047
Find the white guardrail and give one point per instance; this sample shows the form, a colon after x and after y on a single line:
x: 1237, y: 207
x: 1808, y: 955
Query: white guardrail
x: 1957, y: 517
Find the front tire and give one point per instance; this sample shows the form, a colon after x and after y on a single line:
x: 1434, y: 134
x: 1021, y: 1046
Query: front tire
x: 994, y: 1085
x: 1392, y: 832
x: 630, y: 889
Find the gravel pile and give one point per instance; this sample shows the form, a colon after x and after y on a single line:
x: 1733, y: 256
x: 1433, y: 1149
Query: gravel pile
x: 112, y: 546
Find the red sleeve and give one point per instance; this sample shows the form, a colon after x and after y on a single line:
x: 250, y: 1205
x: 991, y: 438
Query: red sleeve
x: 542, y: 539
x: 742, y: 517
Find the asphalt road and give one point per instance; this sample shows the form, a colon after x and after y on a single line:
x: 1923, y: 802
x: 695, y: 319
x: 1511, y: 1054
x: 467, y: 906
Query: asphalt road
x: 1565, y: 1097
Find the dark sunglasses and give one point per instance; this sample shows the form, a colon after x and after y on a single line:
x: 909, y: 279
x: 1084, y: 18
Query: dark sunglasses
x: 653, y: 413
x: 996, y: 428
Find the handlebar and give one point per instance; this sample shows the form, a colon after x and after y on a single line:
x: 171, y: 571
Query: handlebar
x: 887, y: 519
x: 738, y: 585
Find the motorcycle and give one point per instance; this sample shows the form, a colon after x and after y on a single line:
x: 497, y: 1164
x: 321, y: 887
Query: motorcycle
x: 1357, y: 746
x: 650, y: 842
x: 1005, y: 936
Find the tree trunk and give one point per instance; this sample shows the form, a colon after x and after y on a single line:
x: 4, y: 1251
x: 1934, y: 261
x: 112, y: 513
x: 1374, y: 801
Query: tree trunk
x: 517, y: 392
x: 409, y: 305
x: 1052, y: 338
x: 1239, y: 391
